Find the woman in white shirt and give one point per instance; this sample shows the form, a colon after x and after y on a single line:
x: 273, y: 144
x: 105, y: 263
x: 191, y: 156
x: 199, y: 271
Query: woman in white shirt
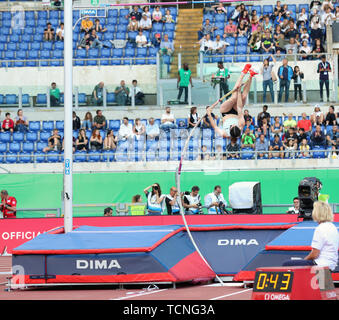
x: 325, y: 240
x: 154, y: 199
x: 157, y: 15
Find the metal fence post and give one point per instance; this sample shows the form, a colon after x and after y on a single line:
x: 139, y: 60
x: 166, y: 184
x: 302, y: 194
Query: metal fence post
x: 48, y: 97
x: 20, y: 98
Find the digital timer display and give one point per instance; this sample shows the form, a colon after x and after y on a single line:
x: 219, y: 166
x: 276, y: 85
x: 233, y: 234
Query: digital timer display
x: 273, y: 281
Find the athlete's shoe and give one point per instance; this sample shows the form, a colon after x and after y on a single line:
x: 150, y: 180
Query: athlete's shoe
x: 247, y: 68
x: 253, y: 72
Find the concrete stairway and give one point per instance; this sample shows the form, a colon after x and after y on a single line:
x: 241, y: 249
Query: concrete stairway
x: 189, y: 22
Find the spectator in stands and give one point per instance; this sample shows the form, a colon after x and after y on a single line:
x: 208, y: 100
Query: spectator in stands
x: 76, y: 121
x: 290, y: 147
x: 276, y: 148
x: 8, y: 123
x: 86, y: 25
x: 49, y: 32
x: 297, y: 77
x: 166, y: 46
x: 98, y: 27
x: 157, y: 15
x: 193, y: 118
x: 54, y: 93
x: 96, y: 143
x: 292, y: 45
x: 324, y: 67
x: 332, y: 136
x: 278, y: 8
x: 305, y: 123
x: 264, y: 129
x: 328, y: 17
x: 133, y: 25
x: 318, y: 49
x: 255, y: 40
x: 8, y: 205
x: 291, y: 134
x: 126, y: 130
x: 152, y: 129
x: 81, y: 142
x: 60, y: 32
x: 168, y: 17
x: 138, y: 94
x: 154, y: 199
x: 304, y: 35
x: 233, y: 149
x: 318, y: 138
x: 277, y: 128
x: 94, y: 40
x: 304, y: 149
x: 315, y: 23
x: 98, y: 94
x: 219, y: 8
x: 291, y: 31
x: 247, y: 116
x: 266, y: 71
x: 146, y: 11
x: 156, y: 40
x: 242, y: 29
x: 54, y: 142
x: 219, y: 45
x: 301, y: 135
x: 141, y: 40
x: 184, y: 79
x: 206, y: 44
x: 262, y: 115
x: 20, y: 122
x: 206, y: 29
x: 168, y: 120
x: 223, y: 75
x: 249, y: 125
x: 87, y: 123
x: 254, y: 21
x: 110, y: 141
x: 99, y: 121
x: 330, y: 119
x: 285, y: 73
x: 317, y: 117
x: 145, y: 23
x: 135, y: 13
x: 85, y: 42
x: 230, y: 29
x: 248, y: 139
x: 139, y: 129
x: 267, y: 25
x: 289, y: 122
x: 121, y: 94
x: 261, y: 146
x: 205, y: 120
x: 305, y: 49
x: 302, y: 17
x: 235, y: 14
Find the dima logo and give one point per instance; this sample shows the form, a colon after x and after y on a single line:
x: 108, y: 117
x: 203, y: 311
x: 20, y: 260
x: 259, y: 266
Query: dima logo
x: 237, y: 242
x: 97, y: 264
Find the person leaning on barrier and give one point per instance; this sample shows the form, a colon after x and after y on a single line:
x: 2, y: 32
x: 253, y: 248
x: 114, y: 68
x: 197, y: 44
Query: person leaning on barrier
x: 7, y: 205
x: 325, y: 240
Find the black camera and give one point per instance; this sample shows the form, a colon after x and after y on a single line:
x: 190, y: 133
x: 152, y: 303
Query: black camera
x: 200, y: 208
x: 155, y: 187
x: 308, y: 191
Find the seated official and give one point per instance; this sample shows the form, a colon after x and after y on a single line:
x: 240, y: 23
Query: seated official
x: 325, y: 240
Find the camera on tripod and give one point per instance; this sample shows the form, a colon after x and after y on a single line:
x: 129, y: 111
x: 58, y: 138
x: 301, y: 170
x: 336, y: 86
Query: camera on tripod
x: 308, y: 192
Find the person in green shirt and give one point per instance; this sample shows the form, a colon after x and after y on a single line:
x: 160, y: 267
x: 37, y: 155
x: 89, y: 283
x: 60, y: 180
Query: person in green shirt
x: 184, y: 79
x: 289, y: 122
x: 98, y: 94
x: 248, y: 139
x: 54, y: 94
x: 223, y: 75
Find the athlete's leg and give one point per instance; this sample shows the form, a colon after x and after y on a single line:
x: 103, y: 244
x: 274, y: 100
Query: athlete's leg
x: 247, y: 86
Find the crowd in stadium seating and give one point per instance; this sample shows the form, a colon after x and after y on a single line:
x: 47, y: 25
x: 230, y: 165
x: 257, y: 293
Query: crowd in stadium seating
x: 282, y: 29
x: 288, y: 136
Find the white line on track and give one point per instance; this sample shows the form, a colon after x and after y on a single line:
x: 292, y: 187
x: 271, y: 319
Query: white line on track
x: 230, y: 294
x: 140, y: 294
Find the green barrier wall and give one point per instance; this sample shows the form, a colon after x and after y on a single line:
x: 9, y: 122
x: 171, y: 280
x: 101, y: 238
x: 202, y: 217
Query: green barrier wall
x: 44, y: 190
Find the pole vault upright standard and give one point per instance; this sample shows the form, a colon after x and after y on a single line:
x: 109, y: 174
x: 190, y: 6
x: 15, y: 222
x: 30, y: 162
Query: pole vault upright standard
x: 68, y: 124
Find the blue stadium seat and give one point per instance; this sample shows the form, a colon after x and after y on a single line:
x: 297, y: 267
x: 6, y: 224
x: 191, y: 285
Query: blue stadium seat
x: 110, y: 97
x: 39, y: 157
x: 25, y: 157
x: 80, y: 156
x: 28, y: 146
x: 34, y: 126
x: 52, y: 156
x: 94, y: 156
x: 41, y: 145
x: 3, y: 147
x: 11, y: 157
x: 11, y: 99
x: 14, y: 147
x: 44, y: 135
x: 18, y: 136
x: 48, y: 125
x: 41, y: 99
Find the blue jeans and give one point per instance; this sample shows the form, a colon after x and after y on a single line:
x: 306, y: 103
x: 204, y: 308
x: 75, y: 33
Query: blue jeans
x: 269, y: 84
x: 87, y: 124
x: 284, y: 85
